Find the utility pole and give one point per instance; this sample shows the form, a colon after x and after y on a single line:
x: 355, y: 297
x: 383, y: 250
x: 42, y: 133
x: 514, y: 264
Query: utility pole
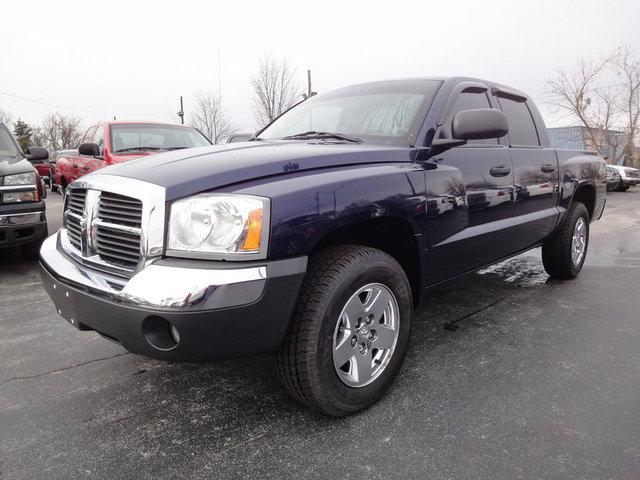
x: 181, y: 112
x: 310, y: 93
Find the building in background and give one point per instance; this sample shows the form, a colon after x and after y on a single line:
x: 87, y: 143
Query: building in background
x: 610, y: 142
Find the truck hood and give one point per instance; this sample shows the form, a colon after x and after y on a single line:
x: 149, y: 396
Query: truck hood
x: 10, y: 165
x: 186, y: 172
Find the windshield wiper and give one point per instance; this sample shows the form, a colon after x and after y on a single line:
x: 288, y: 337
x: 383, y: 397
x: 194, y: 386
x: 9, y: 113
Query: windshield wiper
x: 131, y: 149
x: 314, y: 134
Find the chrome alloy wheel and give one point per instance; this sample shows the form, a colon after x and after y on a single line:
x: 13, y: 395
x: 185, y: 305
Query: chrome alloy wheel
x: 579, y: 241
x: 365, y: 335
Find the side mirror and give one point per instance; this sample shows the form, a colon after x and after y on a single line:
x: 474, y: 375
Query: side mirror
x: 90, y: 149
x: 479, y: 124
x: 37, y: 154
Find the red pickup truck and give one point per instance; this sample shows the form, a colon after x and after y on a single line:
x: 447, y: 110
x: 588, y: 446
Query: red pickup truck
x: 107, y: 143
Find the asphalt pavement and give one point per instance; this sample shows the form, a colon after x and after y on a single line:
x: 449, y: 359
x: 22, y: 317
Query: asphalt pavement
x: 509, y: 375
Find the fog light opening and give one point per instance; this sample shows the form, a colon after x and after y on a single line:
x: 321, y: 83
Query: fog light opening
x: 159, y: 333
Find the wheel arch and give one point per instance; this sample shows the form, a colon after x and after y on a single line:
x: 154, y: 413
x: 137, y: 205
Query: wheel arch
x: 392, y: 235
x: 585, y: 193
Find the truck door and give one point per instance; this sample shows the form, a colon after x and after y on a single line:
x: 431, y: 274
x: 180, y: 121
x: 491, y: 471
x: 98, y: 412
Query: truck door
x: 535, y: 172
x: 469, y: 197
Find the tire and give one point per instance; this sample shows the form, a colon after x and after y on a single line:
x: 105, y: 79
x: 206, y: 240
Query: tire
x: 54, y: 187
x: 63, y: 187
x: 623, y: 188
x: 557, y: 252
x: 306, y: 357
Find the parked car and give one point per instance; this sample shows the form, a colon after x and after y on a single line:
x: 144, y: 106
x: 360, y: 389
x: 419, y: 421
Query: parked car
x: 53, y: 160
x: 318, y: 239
x: 108, y: 143
x: 23, y: 220
x: 620, y: 178
x: 240, y: 137
x: 613, y: 177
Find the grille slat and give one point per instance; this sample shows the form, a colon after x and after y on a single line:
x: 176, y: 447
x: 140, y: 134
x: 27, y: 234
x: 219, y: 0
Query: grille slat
x: 104, y: 234
x: 111, y: 250
x: 103, y: 240
x: 115, y: 257
x: 121, y: 206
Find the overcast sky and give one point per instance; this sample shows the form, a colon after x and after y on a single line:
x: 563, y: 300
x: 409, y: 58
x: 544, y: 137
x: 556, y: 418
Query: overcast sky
x: 134, y: 59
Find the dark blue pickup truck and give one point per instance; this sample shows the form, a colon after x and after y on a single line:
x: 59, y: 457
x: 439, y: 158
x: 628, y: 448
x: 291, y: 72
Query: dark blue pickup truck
x: 318, y: 238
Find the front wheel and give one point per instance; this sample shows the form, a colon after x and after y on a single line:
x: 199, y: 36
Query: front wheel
x: 349, y: 332
x: 563, y: 254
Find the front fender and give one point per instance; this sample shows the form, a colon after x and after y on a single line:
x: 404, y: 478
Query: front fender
x: 308, y: 206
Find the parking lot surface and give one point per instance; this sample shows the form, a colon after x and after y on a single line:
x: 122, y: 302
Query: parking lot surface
x: 509, y: 375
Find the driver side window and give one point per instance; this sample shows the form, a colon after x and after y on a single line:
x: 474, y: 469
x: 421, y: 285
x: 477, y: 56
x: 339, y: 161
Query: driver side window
x: 472, y: 101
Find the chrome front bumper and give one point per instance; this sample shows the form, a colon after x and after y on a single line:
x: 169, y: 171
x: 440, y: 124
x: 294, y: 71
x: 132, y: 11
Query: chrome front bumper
x: 172, y: 284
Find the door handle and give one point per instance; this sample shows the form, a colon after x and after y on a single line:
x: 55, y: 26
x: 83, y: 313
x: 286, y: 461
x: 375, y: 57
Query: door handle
x: 548, y: 168
x: 85, y: 168
x: 500, y: 171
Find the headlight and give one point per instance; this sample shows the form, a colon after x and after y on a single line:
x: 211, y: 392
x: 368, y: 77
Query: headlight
x: 219, y: 225
x: 18, y: 197
x: 28, y: 178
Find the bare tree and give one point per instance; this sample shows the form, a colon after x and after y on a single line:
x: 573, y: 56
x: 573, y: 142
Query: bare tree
x: 275, y: 89
x: 609, y: 112
x: 627, y: 67
x: 5, y: 117
x: 595, y: 107
x: 211, y: 118
x: 60, y: 132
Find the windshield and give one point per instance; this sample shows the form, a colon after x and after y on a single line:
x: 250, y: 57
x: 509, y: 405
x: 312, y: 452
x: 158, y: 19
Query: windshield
x: 384, y: 112
x: 142, y: 137
x: 7, y: 146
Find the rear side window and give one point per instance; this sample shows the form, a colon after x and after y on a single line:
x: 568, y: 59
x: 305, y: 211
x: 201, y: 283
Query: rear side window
x: 471, y: 101
x: 522, y: 128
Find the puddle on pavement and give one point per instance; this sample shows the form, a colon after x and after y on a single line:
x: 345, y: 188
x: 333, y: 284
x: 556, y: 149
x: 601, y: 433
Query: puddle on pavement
x: 522, y: 271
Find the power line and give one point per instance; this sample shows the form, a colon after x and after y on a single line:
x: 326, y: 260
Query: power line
x: 61, y: 107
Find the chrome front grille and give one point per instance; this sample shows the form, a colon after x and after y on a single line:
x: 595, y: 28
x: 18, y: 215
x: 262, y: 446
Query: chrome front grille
x: 113, y: 225
x: 75, y: 205
x: 105, y: 229
x: 117, y: 234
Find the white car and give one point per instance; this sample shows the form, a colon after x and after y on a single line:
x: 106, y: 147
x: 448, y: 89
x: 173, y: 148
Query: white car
x: 628, y: 178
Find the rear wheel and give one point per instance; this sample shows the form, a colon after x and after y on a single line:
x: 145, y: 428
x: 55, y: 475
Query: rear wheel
x: 623, y: 188
x: 563, y: 254
x: 349, y: 332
